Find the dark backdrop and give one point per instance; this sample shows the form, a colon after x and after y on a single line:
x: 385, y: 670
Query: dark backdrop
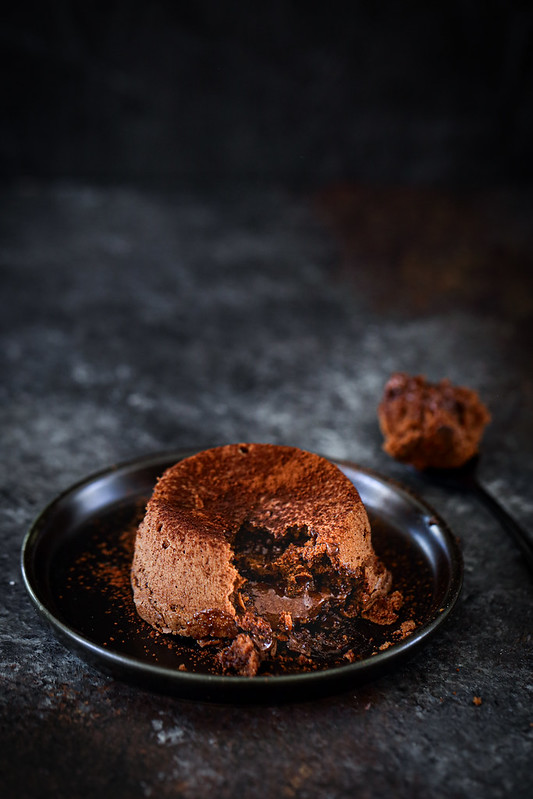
x: 174, y: 91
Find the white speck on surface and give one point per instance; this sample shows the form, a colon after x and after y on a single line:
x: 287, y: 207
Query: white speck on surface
x: 170, y: 736
x: 140, y: 401
x: 147, y: 789
x: 123, y: 371
x: 82, y: 374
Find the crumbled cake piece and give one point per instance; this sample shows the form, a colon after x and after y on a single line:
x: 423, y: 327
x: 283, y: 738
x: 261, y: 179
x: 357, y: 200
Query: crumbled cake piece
x: 241, y: 657
x: 431, y: 425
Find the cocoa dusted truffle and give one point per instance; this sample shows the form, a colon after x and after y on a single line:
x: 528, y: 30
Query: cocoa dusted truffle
x: 249, y: 544
x: 431, y: 425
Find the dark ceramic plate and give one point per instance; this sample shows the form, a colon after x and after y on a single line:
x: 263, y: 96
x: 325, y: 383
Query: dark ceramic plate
x: 76, y: 558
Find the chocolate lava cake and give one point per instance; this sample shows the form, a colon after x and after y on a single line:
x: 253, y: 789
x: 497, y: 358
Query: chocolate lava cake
x: 259, y: 549
x: 431, y: 425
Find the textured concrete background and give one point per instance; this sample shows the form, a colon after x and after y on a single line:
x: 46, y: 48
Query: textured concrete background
x: 135, y: 321
x: 297, y: 257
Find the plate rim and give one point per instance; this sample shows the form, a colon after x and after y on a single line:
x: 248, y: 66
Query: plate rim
x: 156, y: 673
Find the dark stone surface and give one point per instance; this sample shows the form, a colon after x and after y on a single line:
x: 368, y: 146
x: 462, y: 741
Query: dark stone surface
x: 135, y: 321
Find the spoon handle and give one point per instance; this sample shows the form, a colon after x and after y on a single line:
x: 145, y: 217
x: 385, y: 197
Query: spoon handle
x: 508, y: 523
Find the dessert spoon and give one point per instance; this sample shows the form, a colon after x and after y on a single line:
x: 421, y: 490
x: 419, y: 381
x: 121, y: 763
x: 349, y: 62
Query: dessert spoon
x: 465, y: 478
